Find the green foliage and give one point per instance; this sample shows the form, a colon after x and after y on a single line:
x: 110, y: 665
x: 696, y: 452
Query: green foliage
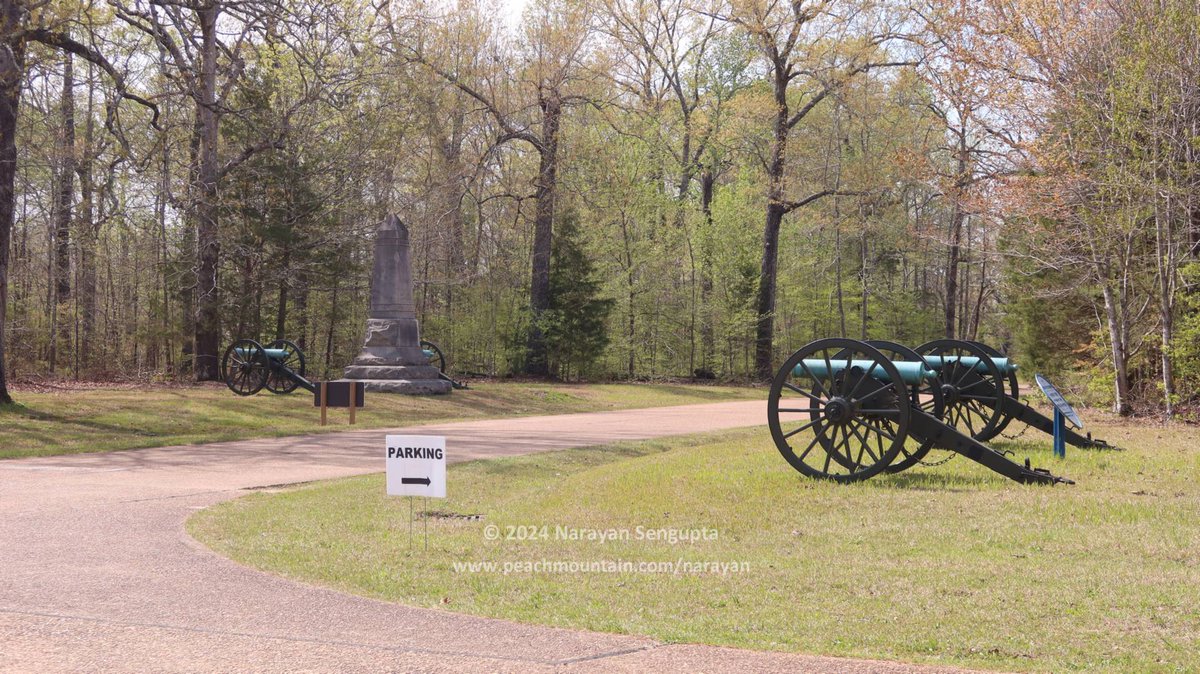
x: 1187, y: 335
x: 575, y: 323
x: 1045, y: 308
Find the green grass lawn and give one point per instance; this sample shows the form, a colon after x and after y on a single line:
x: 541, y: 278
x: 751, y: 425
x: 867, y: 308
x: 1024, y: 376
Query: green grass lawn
x: 950, y: 565
x: 99, y: 420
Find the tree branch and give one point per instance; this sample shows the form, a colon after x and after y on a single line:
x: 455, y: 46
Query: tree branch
x: 248, y: 152
x: 789, y: 206
x: 65, y: 43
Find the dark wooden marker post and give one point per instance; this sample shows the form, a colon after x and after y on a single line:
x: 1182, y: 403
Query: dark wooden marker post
x: 350, y: 394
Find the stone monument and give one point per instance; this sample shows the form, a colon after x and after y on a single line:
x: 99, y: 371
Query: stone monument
x: 391, y: 359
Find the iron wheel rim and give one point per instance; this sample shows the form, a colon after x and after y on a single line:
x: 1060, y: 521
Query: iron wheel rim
x: 244, y: 367
x: 294, y: 360
x: 438, y: 358
x: 832, y: 408
x: 975, y: 402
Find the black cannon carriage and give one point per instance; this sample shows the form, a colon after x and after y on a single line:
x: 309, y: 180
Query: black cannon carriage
x: 248, y: 367
x: 847, y: 410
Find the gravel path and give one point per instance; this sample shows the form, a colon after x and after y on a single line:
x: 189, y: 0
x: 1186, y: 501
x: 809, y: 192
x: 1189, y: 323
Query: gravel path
x: 98, y: 574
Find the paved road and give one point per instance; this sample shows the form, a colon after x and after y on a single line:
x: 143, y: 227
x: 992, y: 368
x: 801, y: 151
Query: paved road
x: 97, y: 573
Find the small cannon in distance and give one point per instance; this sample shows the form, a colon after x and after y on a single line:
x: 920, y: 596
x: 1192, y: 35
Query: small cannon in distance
x: 438, y: 359
x: 868, y: 412
x: 248, y: 367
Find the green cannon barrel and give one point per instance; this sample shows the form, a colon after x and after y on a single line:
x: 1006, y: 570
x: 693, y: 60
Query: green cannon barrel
x: 276, y: 354
x: 1003, y: 364
x: 428, y: 353
x: 911, y: 372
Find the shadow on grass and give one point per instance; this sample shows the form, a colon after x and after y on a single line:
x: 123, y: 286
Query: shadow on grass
x: 14, y: 409
x: 27, y: 413
x: 933, y: 480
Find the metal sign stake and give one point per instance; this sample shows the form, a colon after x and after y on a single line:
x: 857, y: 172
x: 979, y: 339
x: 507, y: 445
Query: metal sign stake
x: 416, y: 466
x: 1060, y: 441
x: 324, y: 400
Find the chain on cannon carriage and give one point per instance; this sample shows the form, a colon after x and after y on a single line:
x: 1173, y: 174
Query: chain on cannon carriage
x: 847, y: 410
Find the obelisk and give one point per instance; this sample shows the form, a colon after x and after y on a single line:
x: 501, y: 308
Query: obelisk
x: 391, y: 360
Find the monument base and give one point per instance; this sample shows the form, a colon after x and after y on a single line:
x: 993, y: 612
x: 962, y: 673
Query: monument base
x: 410, y: 379
x: 415, y: 387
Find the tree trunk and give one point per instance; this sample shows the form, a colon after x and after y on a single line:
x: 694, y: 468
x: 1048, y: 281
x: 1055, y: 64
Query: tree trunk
x: 547, y: 187
x: 1116, y: 336
x: 453, y: 191
x: 957, y: 219
x: 333, y: 319
x: 88, y: 233
x: 282, y: 306
x: 952, y: 263
x: 707, y: 343
x: 631, y: 294
x: 1166, y: 301
x: 764, y: 350
x: 160, y: 216
x: 12, y: 70
x: 977, y: 314
x: 837, y: 274
x: 208, y: 248
x: 862, y: 275
x: 66, y: 188
x: 302, y: 311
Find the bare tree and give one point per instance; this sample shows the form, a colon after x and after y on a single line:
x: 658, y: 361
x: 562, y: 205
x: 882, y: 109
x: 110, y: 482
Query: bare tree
x: 209, y: 65
x: 812, y: 49
x: 15, y: 33
x: 544, y: 83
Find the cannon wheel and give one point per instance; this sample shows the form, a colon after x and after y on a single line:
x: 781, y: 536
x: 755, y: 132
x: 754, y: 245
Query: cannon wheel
x: 277, y: 382
x: 927, y: 396
x: 860, y: 422
x: 244, y: 367
x: 1014, y: 389
x: 973, y: 399
x: 438, y: 358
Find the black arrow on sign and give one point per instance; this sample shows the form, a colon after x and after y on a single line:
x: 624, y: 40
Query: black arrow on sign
x: 416, y: 480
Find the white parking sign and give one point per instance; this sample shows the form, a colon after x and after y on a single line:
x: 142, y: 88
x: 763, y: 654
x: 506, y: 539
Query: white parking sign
x: 416, y: 465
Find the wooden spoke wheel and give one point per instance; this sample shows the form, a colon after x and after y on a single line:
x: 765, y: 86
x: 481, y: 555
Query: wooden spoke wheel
x: 838, y: 410
x: 437, y: 359
x: 293, y: 359
x: 245, y: 367
x: 971, y: 383
x: 1014, y: 389
x: 926, y: 396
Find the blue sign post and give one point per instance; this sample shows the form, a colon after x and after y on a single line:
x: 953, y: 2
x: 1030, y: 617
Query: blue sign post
x: 1060, y: 443
x: 1062, y: 412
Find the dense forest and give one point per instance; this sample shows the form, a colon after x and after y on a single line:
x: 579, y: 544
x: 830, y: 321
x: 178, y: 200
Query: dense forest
x: 605, y: 188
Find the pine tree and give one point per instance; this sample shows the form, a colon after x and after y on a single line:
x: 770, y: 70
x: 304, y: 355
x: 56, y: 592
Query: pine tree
x: 575, y: 323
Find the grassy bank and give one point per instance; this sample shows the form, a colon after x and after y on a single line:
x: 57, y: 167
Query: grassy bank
x: 950, y: 565
x: 99, y: 420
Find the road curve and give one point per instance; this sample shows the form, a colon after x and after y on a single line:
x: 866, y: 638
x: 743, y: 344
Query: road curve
x: 98, y: 574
